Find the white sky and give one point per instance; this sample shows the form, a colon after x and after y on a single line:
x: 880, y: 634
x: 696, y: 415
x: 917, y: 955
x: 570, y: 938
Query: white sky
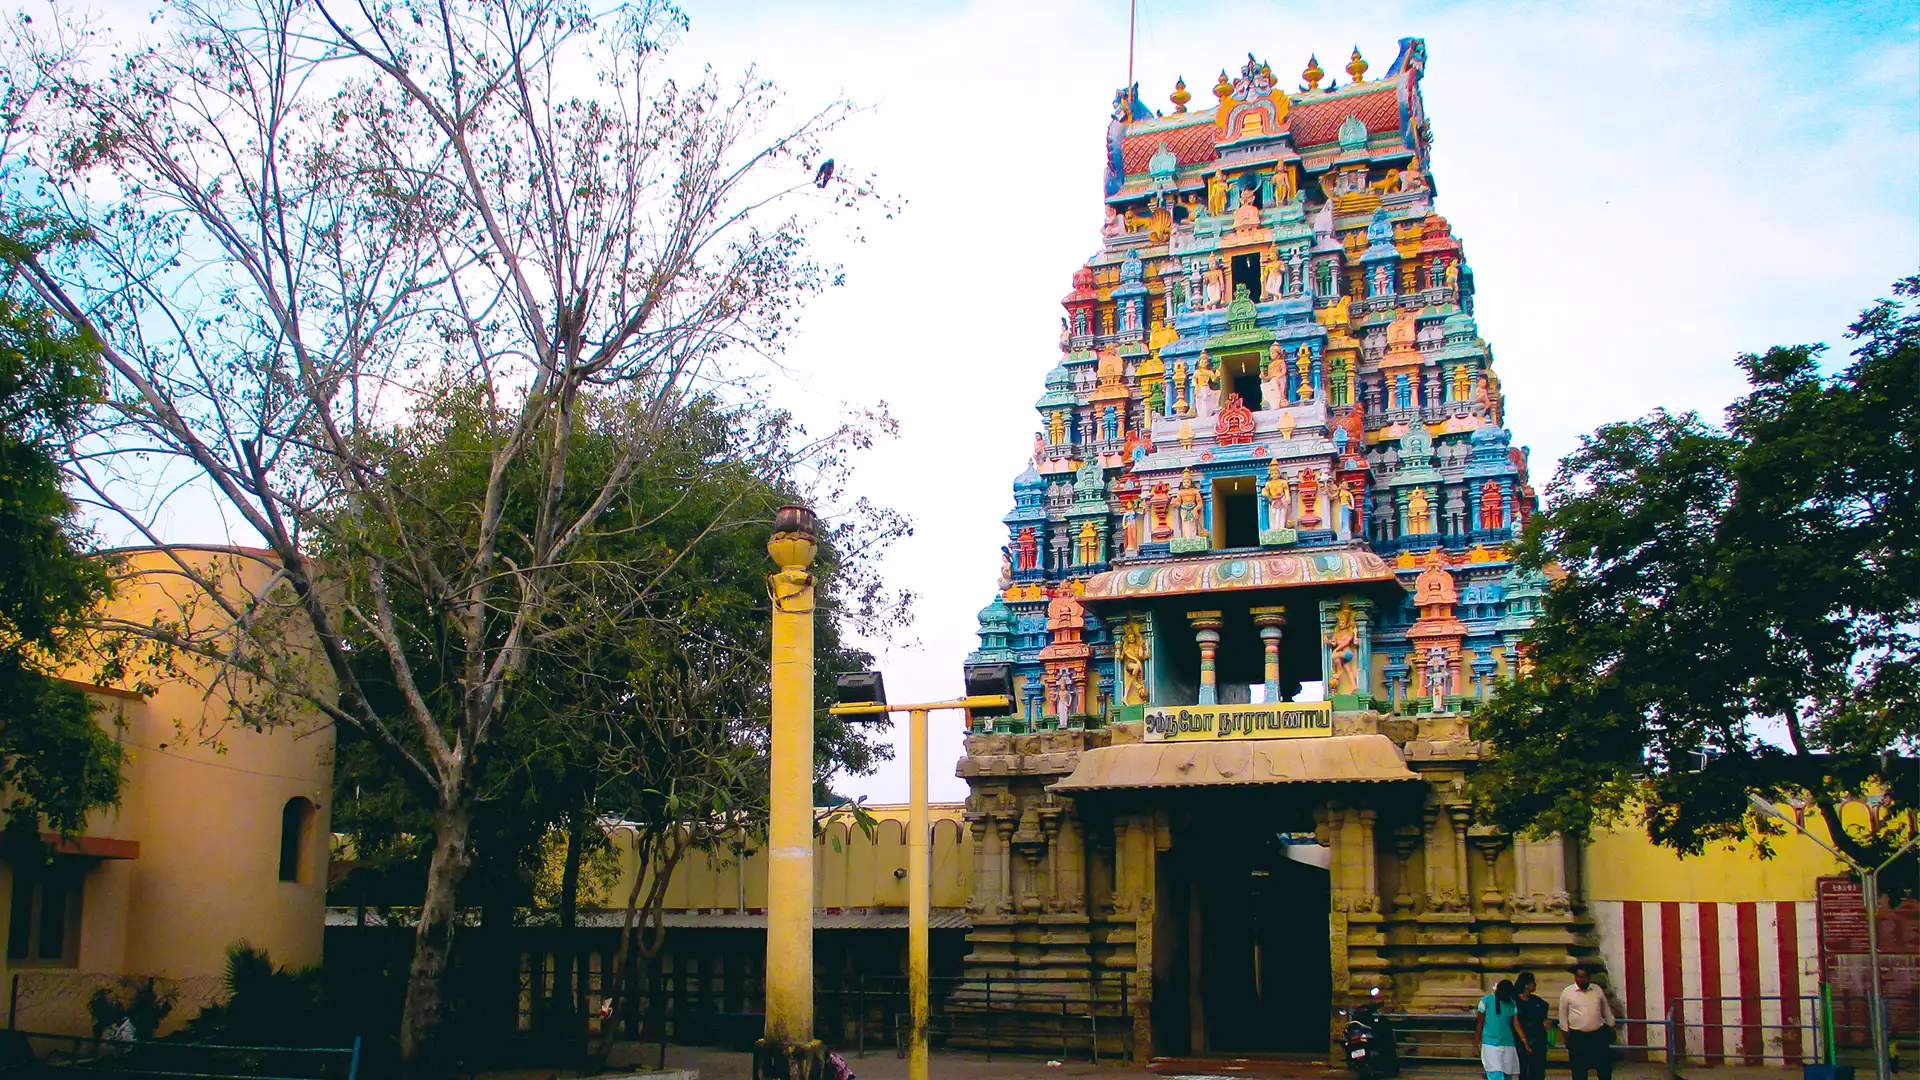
x: 1644, y: 190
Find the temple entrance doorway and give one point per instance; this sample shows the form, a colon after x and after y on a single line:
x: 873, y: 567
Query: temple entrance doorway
x: 1241, y: 954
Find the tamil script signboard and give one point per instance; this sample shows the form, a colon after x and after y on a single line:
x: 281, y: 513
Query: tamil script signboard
x: 1845, y: 965
x: 1284, y: 720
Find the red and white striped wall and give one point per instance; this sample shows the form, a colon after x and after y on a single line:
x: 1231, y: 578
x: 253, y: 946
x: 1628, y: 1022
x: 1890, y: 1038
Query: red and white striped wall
x: 1746, y: 975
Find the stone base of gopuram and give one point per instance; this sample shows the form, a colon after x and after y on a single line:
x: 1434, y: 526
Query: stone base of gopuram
x: 1077, y: 897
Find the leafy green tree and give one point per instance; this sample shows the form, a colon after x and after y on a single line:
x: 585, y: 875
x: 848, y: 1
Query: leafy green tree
x: 56, y: 760
x: 1734, y: 611
x: 298, y: 225
x: 651, y: 706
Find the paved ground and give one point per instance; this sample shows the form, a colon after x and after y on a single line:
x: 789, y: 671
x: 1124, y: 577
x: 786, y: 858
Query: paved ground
x: 726, y: 1065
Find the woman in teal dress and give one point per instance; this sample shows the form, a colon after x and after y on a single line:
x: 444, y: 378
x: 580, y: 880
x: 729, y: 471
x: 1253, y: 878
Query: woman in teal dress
x: 1498, y: 1033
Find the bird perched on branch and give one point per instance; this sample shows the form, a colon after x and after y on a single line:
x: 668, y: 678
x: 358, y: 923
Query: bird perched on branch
x: 825, y: 174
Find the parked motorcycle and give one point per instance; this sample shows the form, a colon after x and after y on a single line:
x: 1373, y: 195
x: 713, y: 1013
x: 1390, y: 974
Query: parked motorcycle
x: 1368, y: 1042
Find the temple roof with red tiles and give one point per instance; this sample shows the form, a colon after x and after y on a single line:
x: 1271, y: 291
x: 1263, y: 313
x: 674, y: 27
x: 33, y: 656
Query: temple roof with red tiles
x: 1313, y: 120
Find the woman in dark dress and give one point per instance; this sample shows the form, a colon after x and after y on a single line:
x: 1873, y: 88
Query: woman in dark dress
x: 1531, y: 1020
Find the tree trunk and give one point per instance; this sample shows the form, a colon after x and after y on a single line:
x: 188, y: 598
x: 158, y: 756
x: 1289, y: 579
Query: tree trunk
x: 433, y: 941
x: 662, y: 856
x: 564, y: 1006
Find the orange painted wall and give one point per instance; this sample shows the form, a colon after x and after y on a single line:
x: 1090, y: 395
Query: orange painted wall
x: 203, y: 797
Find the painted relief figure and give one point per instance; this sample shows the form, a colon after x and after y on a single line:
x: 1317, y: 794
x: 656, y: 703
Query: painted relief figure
x: 1343, y: 650
x: 1206, y: 388
x: 1189, y: 507
x: 1133, y: 665
x: 1439, y: 675
x: 1343, y: 513
x: 1279, y: 495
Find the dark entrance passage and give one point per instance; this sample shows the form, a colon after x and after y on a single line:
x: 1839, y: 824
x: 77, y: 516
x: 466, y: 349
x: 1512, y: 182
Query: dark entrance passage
x: 1243, y: 966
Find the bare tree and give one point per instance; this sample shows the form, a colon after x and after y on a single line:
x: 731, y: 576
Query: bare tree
x: 297, y: 224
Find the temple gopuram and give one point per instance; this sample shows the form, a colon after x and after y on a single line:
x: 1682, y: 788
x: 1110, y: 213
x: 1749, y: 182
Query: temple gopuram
x: 1257, y: 577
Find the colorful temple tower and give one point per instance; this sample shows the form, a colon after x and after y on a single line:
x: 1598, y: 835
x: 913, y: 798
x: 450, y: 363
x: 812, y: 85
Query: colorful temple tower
x: 1268, y: 512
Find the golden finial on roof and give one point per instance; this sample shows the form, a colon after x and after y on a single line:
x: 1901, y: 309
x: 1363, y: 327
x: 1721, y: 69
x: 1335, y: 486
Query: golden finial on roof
x: 1356, y: 67
x: 1223, y: 89
x: 1313, y: 74
x: 1180, y: 97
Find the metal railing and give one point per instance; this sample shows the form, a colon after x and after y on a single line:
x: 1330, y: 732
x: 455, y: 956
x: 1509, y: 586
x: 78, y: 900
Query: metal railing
x: 1088, y: 1014
x: 1027, y: 1012
x: 187, y: 1061
x: 1810, y: 1029
x: 1771, y: 1030
x: 1448, y: 1039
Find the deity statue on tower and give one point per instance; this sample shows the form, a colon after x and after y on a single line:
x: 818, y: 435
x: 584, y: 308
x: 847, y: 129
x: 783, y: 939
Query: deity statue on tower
x: 1206, y: 388
x: 1273, y: 281
x: 1216, y: 193
x: 1343, y: 512
x: 1189, y: 507
x: 1439, y: 675
x: 1343, y: 649
x: 1132, y: 653
x: 1219, y: 291
x: 1279, y: 495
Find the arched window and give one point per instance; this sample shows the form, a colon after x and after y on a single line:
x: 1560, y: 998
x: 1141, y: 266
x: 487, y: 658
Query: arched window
x: 296, y: 820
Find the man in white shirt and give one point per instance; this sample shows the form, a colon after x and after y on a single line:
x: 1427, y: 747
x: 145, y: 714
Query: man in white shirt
x: 1587, y: 1019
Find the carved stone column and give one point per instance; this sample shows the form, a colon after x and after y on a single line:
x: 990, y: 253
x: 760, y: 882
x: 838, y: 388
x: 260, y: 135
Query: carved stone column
x: 980, y: 898
x: 1491, y: 842
x: 1406, y: 840
x: 1439, y: 861
x: 1270, y: 620
x: 1206, y: 633
x: 1073, y: 861
x: 1050, y: 829
x: 1461, y: 814
x: 1004, y: 825
x: 1030, y: 843
x: 1370, y: 873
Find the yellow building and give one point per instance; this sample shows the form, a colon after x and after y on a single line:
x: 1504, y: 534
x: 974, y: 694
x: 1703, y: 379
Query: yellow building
x: 221, y: 833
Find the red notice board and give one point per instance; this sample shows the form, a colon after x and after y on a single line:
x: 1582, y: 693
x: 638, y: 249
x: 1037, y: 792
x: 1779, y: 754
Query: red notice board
x: 1844, y: 962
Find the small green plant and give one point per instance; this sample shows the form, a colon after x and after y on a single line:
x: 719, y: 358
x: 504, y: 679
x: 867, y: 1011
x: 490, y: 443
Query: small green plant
x: 265, y: 1006
x: 139, y: 1000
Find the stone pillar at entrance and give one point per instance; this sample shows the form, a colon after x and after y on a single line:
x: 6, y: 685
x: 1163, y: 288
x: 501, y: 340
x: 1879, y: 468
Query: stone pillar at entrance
x: 1206, y: 632
x: 1270, y: 620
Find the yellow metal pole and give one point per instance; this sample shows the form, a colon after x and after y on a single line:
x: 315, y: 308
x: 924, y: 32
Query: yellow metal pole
x: 789, y: 973
x: 919, y: 864
x: 919, y: 895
